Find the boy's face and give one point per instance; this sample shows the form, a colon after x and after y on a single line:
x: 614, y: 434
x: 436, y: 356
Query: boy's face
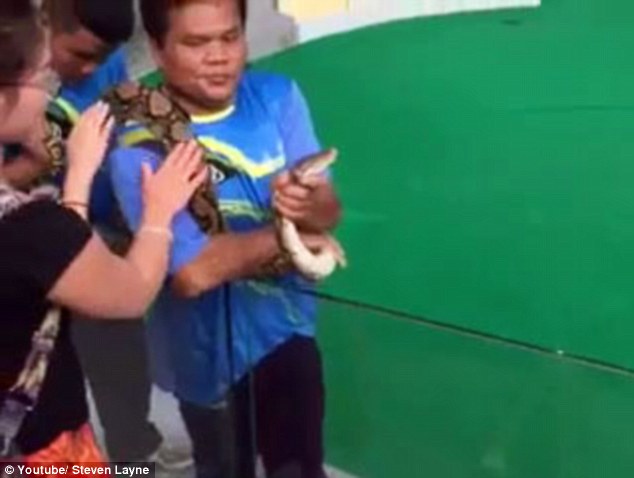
x: 204, y: 52
x: 77, y: 55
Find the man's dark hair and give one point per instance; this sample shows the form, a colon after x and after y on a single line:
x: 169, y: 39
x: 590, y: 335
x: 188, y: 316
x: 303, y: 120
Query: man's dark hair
x: 112, y: 21
x: 155, y: 15
x: 21, y: 39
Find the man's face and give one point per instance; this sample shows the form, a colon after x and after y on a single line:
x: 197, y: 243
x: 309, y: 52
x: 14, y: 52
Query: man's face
x: 204, y: 52
x: 76, y: 55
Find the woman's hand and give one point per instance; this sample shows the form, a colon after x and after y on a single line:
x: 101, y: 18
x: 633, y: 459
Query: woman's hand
x: 85, y: 149
x: 166, y: 191
x: 88, y: 141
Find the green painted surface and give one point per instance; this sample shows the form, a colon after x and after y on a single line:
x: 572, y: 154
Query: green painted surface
x: 487, y: 168
x: 406, y: 401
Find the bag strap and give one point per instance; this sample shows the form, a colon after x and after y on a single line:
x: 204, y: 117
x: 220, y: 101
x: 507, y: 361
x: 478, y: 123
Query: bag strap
x: 24, y: 394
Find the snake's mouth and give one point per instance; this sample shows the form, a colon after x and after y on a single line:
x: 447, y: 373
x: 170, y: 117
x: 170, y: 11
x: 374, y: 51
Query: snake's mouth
x: 329, y: 158
x: 315, y: 164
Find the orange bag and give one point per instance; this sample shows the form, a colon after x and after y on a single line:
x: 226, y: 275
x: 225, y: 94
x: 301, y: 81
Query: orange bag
x: 71, y: 449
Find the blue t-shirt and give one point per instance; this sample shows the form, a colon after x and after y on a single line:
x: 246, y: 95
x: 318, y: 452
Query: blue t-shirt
x: 267, y: 130
x: 73, y: 99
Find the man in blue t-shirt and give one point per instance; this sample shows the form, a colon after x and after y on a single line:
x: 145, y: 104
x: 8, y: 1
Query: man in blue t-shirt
x: 87, y: 38
x: 222, y: 340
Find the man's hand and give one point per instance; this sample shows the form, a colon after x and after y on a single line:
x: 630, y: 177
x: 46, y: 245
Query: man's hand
x: 311, y: 202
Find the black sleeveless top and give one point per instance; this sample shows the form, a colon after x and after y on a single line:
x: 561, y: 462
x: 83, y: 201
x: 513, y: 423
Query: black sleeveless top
x: 37, y: 243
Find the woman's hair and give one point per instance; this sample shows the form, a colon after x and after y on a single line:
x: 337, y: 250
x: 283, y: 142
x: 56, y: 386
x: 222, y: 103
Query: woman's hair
x: 21, y: 39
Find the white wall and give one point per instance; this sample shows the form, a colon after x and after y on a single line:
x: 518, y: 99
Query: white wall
x: 369, y: 12
x: 435, y: 7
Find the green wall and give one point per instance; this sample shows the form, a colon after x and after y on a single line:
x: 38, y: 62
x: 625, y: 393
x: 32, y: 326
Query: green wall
x: 406, y: 401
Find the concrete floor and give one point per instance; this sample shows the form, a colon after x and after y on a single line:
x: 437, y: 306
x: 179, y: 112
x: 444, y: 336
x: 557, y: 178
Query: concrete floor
x: 167, y: 418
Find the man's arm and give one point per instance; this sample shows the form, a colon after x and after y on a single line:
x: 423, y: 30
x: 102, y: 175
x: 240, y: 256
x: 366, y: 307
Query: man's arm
x: 226, y: 258
x: 237, y: 256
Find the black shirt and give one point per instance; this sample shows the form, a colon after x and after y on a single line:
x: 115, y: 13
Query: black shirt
x: 37, y: 243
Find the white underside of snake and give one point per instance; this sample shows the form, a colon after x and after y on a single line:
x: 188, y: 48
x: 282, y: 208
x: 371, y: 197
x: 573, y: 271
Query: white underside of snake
x: 320, y: 264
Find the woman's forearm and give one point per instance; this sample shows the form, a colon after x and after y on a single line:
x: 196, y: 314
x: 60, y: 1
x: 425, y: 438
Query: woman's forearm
x: 76, y: 192
x: 149, y: 252
x: 128, y: 284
